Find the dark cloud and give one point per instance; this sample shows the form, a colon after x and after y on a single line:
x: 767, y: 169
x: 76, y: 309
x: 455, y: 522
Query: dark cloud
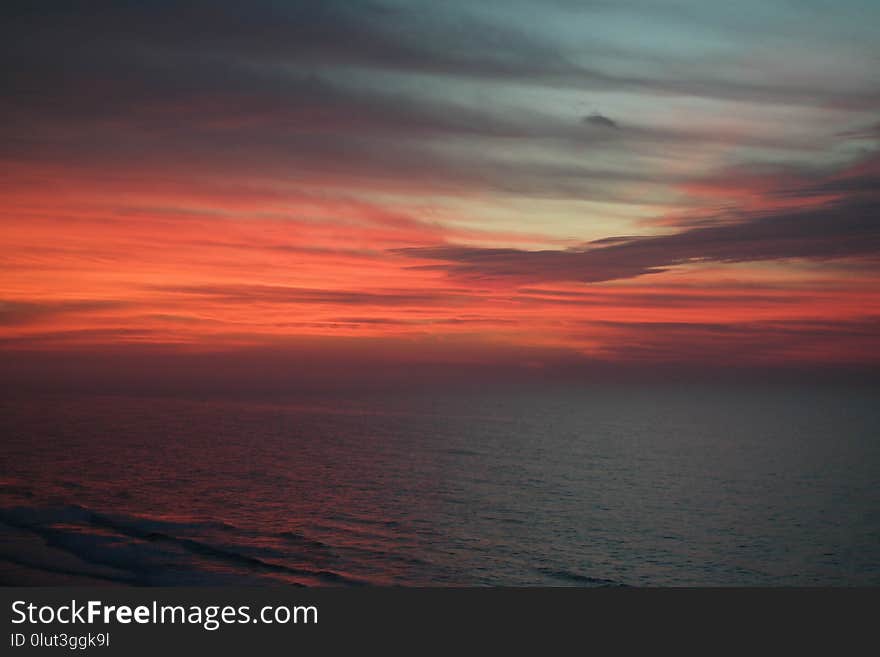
x: 848, y: 228
x: 299, y: 32
x: 600, y: 120
x: 218, y: 87
x: 124, y: 51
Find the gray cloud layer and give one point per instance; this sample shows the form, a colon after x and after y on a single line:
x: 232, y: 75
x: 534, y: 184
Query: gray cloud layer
x: 846, y: 228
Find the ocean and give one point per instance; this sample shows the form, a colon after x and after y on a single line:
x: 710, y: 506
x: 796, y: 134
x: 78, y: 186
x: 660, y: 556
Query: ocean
x: 554, y: 485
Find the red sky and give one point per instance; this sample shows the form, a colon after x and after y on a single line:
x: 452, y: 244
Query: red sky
x: 208, y: 193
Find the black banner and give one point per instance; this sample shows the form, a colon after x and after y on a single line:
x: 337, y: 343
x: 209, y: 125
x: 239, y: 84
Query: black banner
x: 234, y: 621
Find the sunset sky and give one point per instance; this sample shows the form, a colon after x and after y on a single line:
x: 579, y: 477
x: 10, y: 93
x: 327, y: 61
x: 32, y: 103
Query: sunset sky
x: 531, y: 184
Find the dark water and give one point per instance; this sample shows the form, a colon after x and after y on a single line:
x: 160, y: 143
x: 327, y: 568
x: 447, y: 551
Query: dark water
x: 569, y: 486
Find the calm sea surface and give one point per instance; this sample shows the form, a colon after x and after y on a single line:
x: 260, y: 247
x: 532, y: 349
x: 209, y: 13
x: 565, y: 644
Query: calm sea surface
x: 558, y: 486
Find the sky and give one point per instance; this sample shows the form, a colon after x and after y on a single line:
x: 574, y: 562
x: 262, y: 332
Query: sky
x: 517, y: 186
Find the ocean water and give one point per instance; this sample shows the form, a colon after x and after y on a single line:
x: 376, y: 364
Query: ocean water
x: 511, y: 486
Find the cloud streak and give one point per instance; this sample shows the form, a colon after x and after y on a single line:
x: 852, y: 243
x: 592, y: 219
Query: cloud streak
x: 836, y: 231
x: 845, y: 228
